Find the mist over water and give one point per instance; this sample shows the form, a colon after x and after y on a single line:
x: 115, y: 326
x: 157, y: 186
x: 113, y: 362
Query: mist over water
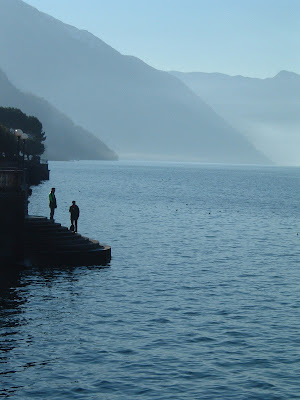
x: 266, y: 111
x: 200, y: 301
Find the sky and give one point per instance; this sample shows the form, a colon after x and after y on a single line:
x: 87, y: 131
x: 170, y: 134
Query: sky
x: 256, y: 38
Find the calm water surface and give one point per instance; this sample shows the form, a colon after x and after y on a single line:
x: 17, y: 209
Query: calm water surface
x: 201, y: 299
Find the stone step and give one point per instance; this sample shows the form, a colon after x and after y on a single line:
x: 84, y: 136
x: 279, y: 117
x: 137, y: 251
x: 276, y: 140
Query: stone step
x: 58, y: 241
x: 45, y: 227
x: 62, y: 248
x: 101, y: 256
x: 36, y: 218
x: 61, y: 233
x: 56, y: 244
x: 38, y: 221
x: 48, y: 241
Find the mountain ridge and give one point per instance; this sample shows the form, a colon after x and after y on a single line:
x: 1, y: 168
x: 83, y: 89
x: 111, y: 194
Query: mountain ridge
x: 265, y: 110
x: 75, y: 142
x: 281, y: 74
x: 133, y: 107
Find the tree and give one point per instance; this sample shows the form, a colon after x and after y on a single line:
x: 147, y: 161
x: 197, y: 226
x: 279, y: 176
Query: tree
x: 13, y: 118
x: 8, y: 144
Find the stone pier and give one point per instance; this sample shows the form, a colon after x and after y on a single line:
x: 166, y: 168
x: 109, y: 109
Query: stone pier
x: 37, y: 241
x: 48, y: 243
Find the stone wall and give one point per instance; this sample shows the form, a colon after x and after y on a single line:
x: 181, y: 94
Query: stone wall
x: 12, y: 213
x: 11, y: 228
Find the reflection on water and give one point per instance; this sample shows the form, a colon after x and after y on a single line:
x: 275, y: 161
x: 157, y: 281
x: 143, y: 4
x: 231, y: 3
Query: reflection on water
x: 11, y: 319
x: 26, y: 296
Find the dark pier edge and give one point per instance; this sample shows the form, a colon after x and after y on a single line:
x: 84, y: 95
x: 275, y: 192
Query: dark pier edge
x: 32, y: 240
x: 48, y: 243
x: 12, y: 227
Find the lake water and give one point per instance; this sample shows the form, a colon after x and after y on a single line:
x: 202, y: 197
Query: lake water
x: 200, y: 301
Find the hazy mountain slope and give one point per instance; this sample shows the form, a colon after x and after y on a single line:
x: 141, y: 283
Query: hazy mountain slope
x: 267, y: 111
x: 65, y: 141
x: 135, y: 109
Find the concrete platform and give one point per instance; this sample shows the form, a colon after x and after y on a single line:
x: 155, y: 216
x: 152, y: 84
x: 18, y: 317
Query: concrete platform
x: 47, y: 243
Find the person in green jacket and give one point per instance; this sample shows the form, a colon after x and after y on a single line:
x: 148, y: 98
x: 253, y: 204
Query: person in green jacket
x: 52, y: 203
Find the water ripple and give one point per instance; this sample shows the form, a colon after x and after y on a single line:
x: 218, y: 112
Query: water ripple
x: 200, y: 301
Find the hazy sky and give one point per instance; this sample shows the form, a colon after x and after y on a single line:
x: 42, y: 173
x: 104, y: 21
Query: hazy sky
x: 255, y: 38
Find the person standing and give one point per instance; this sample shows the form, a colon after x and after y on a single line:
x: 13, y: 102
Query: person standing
x: 74, y: 214
x: 52, y: 203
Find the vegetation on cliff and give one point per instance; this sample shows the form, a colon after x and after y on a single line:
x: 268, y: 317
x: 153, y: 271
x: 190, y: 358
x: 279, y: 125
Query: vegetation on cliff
x: 13, y: 118
x: 8, y: 143
x: 65, y: 139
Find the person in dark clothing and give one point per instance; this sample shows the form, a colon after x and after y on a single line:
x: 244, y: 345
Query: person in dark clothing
x: 52, y: 203
x: 74, y: 214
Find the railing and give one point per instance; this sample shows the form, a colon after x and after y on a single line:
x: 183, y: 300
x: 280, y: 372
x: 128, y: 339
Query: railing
x: 10, y: 179
x: 31, y: 172
x: 8, y: 164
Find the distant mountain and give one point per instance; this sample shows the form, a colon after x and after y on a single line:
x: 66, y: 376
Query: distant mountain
x: 138, y: 111
x: 267, y: 111
x: 65, y: 141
